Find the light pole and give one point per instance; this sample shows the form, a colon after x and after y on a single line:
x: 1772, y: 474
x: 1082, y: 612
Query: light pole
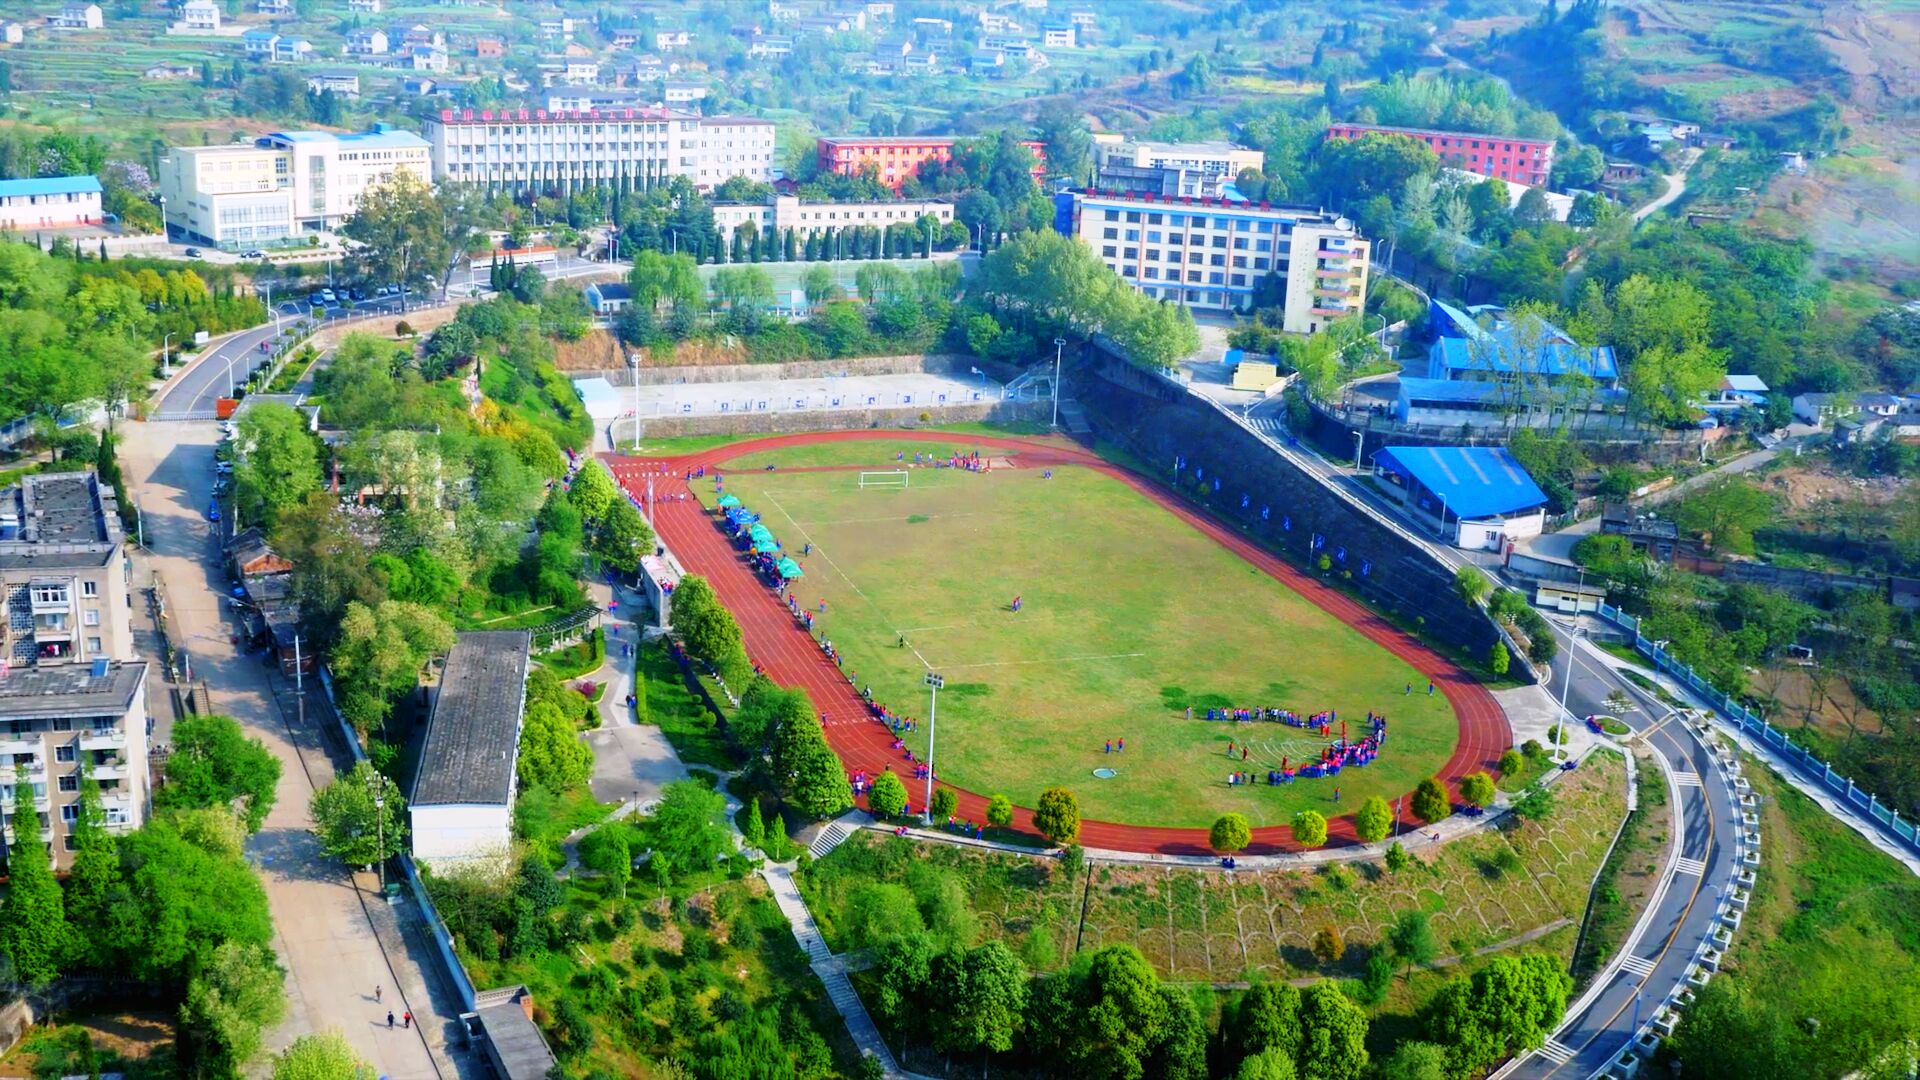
x: 934, y: 682
x: 1573, y: 642
x: 166, y: 361
x: 164, y: 237
x: 230, y: 361
x: 1058, y: 344
x: 1359, y: 443
x: 380, y: 833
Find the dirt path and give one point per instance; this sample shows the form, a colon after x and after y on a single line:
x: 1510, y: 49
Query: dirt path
x: 792, y: 658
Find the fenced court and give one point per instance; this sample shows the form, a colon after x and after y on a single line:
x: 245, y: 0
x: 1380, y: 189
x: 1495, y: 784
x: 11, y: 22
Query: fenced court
x: 1128, y: 617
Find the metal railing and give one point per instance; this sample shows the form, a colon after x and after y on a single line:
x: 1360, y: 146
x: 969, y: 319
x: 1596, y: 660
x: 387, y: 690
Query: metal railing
x: 1810, y: 767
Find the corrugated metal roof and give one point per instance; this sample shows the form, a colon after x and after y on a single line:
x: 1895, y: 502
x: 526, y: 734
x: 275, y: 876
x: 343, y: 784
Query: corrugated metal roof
x: 50, y: 185
x: 1475, y: 481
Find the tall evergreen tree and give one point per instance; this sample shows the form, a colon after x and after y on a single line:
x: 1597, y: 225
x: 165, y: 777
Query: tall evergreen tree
x: 93, y: 876
x: 33, y: 921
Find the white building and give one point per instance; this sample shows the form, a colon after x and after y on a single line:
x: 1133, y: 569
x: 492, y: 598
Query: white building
x: 364, y: 7
x: 517, y: 149
x: 1196, y: 169
x: 340, y: 82
x: 1060, y: 36
x: 461, y: 805
x: 675, y: 92
x: 63, y: 571
x: 49, y: 202
x: 259, y: 43
x: 12, y: 33
x: 247, y: 194
x: 367, y: 43
x: 669, y: 40
x: 199, y: 17
x: 60, y: 723
x: 80, y: 17
x: 1211, y: 254
x: 784, y: 212
x: 292, y: 50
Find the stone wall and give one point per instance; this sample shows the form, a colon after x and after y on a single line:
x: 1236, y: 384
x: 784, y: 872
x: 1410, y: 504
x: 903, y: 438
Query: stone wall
x: 1157, y: 421
x: 911, y: 364
x: 780, y: 423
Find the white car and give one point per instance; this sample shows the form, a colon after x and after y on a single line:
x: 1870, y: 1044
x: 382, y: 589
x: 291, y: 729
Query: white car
x: 327, y: 297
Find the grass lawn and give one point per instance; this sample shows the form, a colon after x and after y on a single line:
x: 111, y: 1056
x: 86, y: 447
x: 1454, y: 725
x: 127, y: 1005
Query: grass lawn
x: 577, y: 659
x: 1129, y: 617
x: 853, y: 453
x: 681, y: 716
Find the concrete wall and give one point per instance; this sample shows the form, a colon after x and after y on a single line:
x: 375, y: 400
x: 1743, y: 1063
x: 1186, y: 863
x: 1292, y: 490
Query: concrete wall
x: 1157, y: 421
x: 450, y: 834
x: 775, y: 423
x: 910, y: 364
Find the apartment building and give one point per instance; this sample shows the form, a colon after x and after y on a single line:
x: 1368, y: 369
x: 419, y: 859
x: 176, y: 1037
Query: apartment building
x: 1507, y: 157
x: 63, y: 572
x: 783, y: 212
x: 897, y: 158
x: 518, y: 149
x: 1194, y: 169
x: 199, y: 17
x: 1211, y: 254
x: 57, y: 721
x: 247, y: 194
x: 49, y: 202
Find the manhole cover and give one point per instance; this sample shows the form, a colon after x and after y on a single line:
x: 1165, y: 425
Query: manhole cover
x: 1105, y: 774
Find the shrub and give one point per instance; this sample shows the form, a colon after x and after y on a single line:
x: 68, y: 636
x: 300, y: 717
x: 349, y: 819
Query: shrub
x: 1510, y: 762
x: 1309, y: 829
x: 1057, y: 816
x: 1327, y: 946
x: 1477, y: 788
x: 1230, y: 833
x: 1397, y: 858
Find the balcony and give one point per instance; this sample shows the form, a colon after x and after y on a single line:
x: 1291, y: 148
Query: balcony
x: 50, y: 627
x: 50, y: 598
x: 1335, y: 311
x: 103, y: 740
x: 17, y: 744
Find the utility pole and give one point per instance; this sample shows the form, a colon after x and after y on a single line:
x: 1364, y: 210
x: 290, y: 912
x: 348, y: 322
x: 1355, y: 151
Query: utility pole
x: 934, y: 682
x: 299, y: 684
x: 1059, y: 343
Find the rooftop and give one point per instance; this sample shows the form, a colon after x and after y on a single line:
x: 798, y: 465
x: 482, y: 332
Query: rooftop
x: 50, y: 185
x: 514, y: 1040
x: 473, y: 731
x: 1467, y: 345
x: 1296, y: 209
x: 361, y: 140
x: 1392, y: 129
x: 58, y: 519
x: 102, y: 688
x: 1475, y: 481
x: 549, y: 116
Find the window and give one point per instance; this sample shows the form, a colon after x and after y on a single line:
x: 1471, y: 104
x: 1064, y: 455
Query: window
x: 1153, y: 254
x: 1133, y: 217
x: 1130, y: 253
x: 1216, y: 278
x: 1239, y: 243
x: 1193, y: 275
x: 1266, y: 227
x: 70, y: 782
x: 90, y: 617
x: 1109, y: 234
x: 1153, y: 271
x: 1240, y: 261
x: 1133, y: 234
x: 1173, y: 256
x: 1110, y: 215
x: 1218, y: 260
x: 1239, y: 279
x: 1153, y: 219
x: 63, y: 753
x: 89, y: 588
x: 1260, y: 263
x: 1223, y: 224
x: 1153, y: 236
x: 70, y: 813
x: 63, y: 723
x: 1219, y: 241
x: 1177, y: 219
x: 1106, y: 252
x: 94, y: 645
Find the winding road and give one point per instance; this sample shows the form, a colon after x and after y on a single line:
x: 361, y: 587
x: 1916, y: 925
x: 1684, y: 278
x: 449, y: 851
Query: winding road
x: 791, y: 657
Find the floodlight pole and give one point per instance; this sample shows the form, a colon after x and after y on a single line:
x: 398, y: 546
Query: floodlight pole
x: 934, y: 682
x: 1058, y: 344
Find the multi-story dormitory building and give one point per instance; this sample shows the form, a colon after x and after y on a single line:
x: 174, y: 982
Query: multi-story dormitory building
x: 518, y: 149
x: 72, y: 697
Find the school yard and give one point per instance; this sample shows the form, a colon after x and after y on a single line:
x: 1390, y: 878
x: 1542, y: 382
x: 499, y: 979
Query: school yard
x: 1129, y: 615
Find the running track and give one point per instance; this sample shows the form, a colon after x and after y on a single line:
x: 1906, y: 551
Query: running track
x: 791, y: 658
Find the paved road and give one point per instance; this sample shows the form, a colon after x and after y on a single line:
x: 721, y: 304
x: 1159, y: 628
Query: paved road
x: 325, y: 929
x: 1685, y: 911
x: 632, y: 763
x: 1676, y: 187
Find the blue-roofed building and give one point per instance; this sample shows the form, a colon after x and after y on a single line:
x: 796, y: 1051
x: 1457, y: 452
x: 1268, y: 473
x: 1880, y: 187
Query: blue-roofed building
x: 1477, y: 497
x: 49, y: 202
x: 1492, y: 347
x: 1736, y: 392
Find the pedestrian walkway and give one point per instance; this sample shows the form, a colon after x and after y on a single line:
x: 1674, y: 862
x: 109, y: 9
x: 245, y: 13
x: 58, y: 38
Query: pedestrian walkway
x: 830, y: 969
x: 632, y: 763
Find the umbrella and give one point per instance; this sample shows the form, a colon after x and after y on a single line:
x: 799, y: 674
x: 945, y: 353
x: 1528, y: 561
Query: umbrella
x: 767, y: 546
x: 759, y: 532
x: 789, y: 569
x: 728, y: 501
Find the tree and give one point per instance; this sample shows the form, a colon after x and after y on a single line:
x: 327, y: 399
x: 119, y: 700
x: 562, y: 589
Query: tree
x: 983, y: 1011
x: 360, y: 818
x: 1309, y: 829
x: 1532, y: 211
x: 1471, y: 585
x: 1510, y: 761
x: 1266, y: 1065
x: 228, y: 1004
x: 1327, y: 946
x: 379, y: 654
x: 1535, y: 803
x: 685, y: 827
x: 808, y: 769
x: 1265, y: 1017
x: 1373, y: 820
x: 324, y: 1055
x: 999, y: 811
x: 888, y: 796
x: 214, y: 764
x: 1352, y: 170
x: 185, y: 897
x: 623, y: 537
x: 94, y: 874
x: 1230, y: 833
x: 593, y: 492
x: 1413, y: 1060
x: 1430, y: 802
x: 1397, y: 858
x: 33, y: 925
x: 279, y: 462
x: 945, y: 803
x: 1063, y: 129
x: 1333, y: 1034
x: 764, y: 708
x: 402, y: 233
x: 819, y: 285
x: 752, y: 828
x: 1476, y: 788
x: 1725, y: 513
x: 1498, y: 659
x: 1411, y: 939
x: 1057, y: 816
x: 1121, y: 1016
x: 708, y: 629
x: 608, y: 851
x: 551, y: 753
x: 742, y: 288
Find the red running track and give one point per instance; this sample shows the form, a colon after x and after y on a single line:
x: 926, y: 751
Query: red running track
x: 790, y: 656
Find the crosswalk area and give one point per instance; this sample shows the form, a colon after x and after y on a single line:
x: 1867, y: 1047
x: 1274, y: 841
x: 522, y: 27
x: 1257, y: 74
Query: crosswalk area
x: 1694, y: 867
x: 1687, y: 779
x: 1637, y: 965
x: 1556, y: 1051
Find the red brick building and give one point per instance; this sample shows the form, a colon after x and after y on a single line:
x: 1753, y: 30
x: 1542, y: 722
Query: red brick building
x: 897, y: 158
x: 1506, y: 157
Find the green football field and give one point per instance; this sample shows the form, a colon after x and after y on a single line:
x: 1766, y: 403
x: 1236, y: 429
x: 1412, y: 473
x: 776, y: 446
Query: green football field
x: 1128, y: 616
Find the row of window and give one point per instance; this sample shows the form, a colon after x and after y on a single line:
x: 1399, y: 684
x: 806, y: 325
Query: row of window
x: 49, y: 200
x: 1240, y: 262
x: 1210, y: 277
x: 1198, y: 221
x: 1240, y: 243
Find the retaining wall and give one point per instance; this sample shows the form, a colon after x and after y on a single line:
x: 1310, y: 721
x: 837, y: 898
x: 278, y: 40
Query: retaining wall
x: 907, y: 364
x: 777, y: 423
x: 1158, y: 421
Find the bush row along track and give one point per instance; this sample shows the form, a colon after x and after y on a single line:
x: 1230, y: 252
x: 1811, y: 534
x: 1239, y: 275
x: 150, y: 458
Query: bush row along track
x: 791, y: 658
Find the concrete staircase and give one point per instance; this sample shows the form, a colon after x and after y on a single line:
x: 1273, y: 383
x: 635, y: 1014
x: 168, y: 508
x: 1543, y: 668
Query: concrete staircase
x: 835, y: 833
x: 1074, y: 418
x: 787, y: 897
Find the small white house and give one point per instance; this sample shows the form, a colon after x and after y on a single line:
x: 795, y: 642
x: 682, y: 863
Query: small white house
x: 607, y: 298
x: 12, y: 33
x: 364, y: 7
x: 669, y: 40
x: 462, y: 800
x: 199, y: 17
x: 367, y: 43
x: 79, y: 17
x: 259, y: 43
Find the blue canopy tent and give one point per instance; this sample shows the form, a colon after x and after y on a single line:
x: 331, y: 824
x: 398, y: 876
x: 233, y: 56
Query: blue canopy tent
x: 727, y: 501
x: 789, y: 569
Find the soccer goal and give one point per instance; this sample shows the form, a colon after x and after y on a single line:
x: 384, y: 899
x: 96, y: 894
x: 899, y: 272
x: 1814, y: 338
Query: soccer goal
x: 891, y: 478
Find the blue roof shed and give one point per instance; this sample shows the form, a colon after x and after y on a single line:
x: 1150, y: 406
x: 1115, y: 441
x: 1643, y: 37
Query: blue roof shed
x: 1469, y: 481
x: 49, y: 185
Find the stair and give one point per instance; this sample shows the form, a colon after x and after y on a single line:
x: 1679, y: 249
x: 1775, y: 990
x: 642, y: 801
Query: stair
x: 830, y: 837
x: 787, y: 898
x: 1074, y: 418
x: 201, y: 699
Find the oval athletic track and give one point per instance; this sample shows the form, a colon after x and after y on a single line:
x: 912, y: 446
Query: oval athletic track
x: 789, y: 655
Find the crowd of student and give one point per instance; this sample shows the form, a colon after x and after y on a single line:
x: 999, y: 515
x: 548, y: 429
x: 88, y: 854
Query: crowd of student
x: 1340, y: 754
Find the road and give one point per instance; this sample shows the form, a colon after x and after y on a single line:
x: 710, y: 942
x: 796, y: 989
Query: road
x: 1685, y: 909
x: 328, y: 930
x: 1676, y: 187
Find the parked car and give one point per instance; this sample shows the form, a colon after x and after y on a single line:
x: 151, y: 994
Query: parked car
x: 193, y: 253
x: 328, y: 297
x: 256, y: 253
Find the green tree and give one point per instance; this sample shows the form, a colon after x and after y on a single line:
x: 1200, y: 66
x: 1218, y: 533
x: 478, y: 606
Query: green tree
x: 809, y: 771
x: 623, y: 537
x: 1266, y: 1065
x: 742, y: 288
x: 360, y: 818
x: 999, y: 811
x: 1397, y: 858
x: 1430, y: 802
x: 984, y: 996
x: 1373, y: 820
x: 1535, y: 803
x: 379, y: 653
x: 708, y: 629
x: 1498, y: 659
x: 228, y: 1004
x: 888, y: 796
x: 213, y: 763
x: 686, y: 825
x: 1471, y: 585
x: 279, y: 462
x: 1121, y: 1016
x: 1309, y: 829
x: 1476, y: 788
x: 1333, y: 1035
x: 94, y: 875
x: 608, y: 851
x: 1414, y: 1061
x: 1725, y: 513
x: 182, y: 902
x: 592, y: 493
x: 1411, y: 939
x: 658, y: 278
x: 819, y: 286
x: 752, y: 828
x: 1069, y: 146
x: 764, y: 708
x: 324, y: 1055
x: 1230, y: 833
x: 945, y: 803
x: 1351, y: 171
x: 1057, y: 816
x: 1265, y: 1017
x: 33, y: 924
x: 551, y: 753
x: 400, y: 235
x: 1327, y: 945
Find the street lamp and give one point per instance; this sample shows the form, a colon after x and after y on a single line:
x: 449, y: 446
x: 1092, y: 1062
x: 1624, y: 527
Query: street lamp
x: 1058, y: 344
x: 164, y: 237
x: 380, y: 826
x: 1573, y: 642
x: 166, y: 364
x: 934, y: 682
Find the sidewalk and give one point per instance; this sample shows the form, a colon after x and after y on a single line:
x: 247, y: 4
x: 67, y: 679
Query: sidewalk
x: 632, y: 763
x: 830, y: 969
